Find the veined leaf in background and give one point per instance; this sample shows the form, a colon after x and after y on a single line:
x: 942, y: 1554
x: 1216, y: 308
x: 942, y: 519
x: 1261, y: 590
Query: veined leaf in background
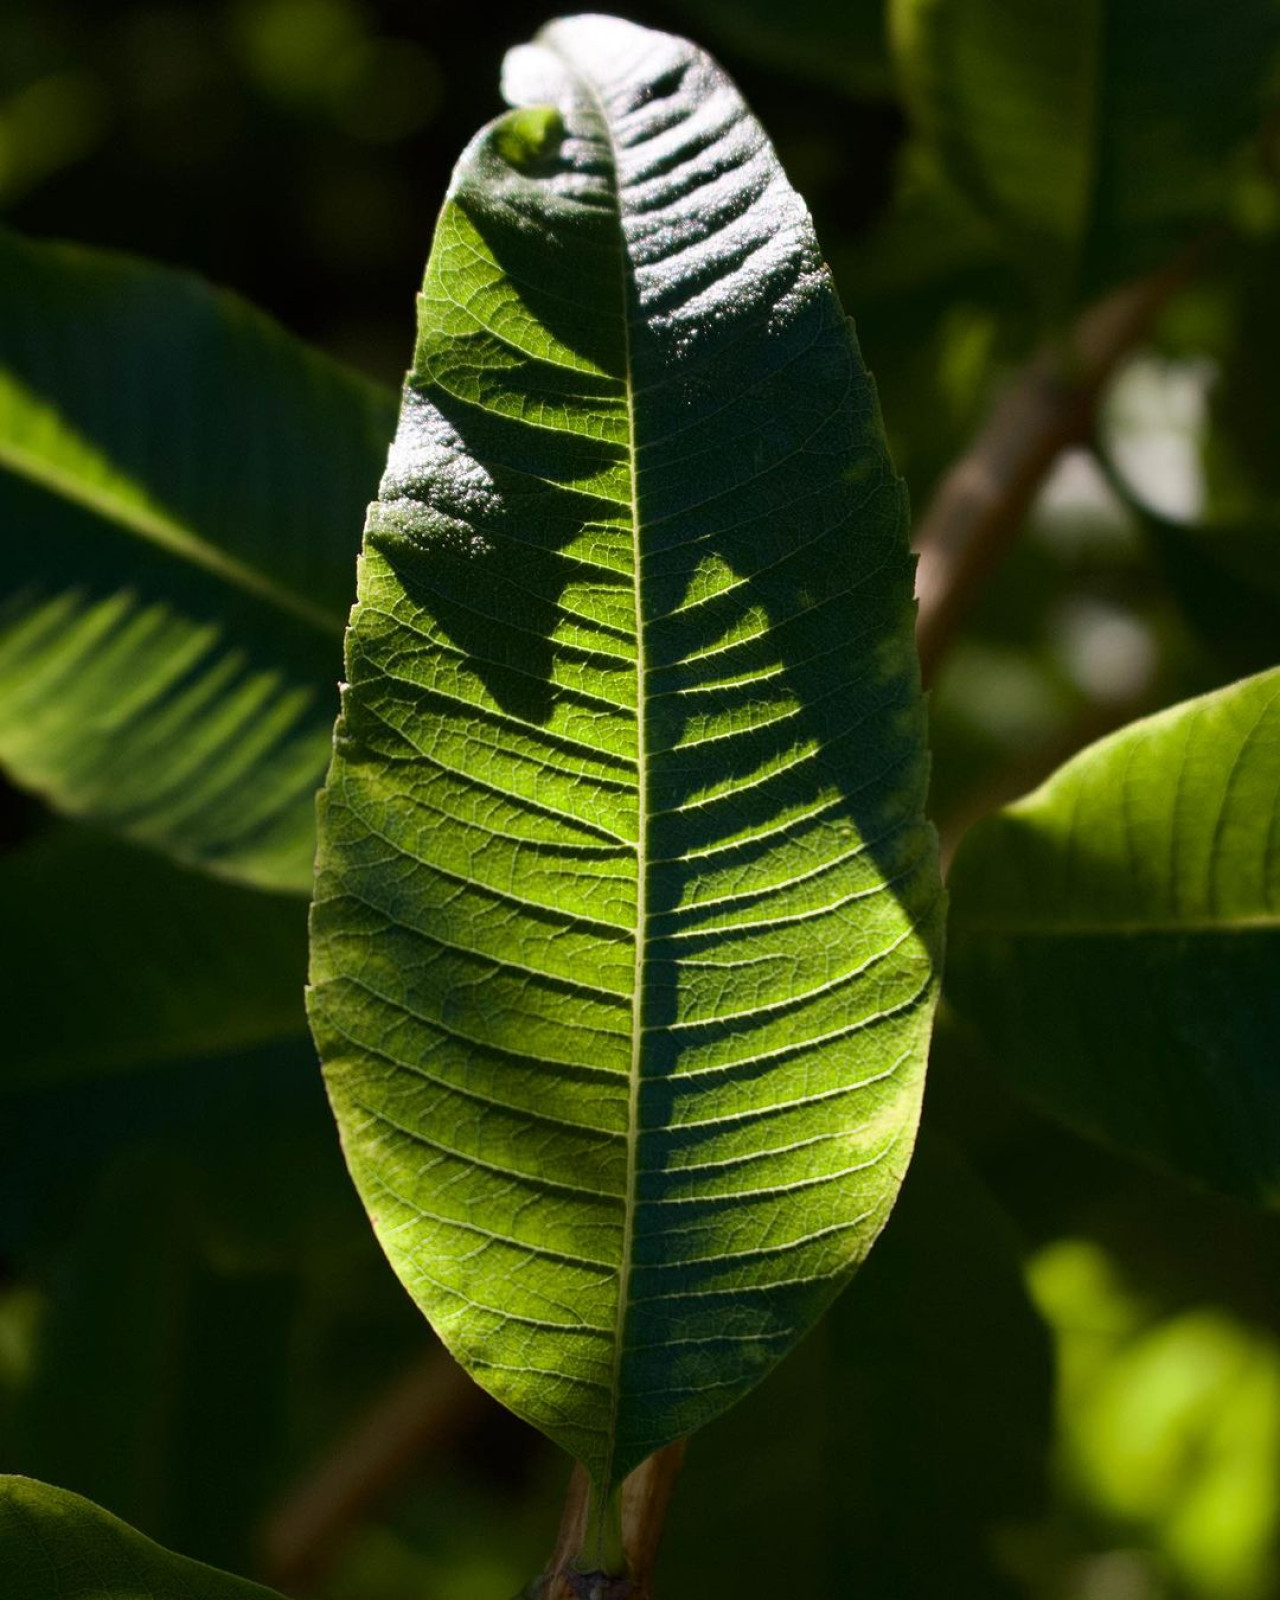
x: 116, y: 960
x: 56, y: 1546
x: 1097, y: 136
x: 179, y: 482
x: 627, y: 919
x: 1117, y: 939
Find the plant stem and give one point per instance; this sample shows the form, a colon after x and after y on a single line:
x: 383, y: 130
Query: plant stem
x: 645, y: 1496
x: 1050, y: 405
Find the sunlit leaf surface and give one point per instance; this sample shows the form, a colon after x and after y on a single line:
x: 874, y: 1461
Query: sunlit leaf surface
x: 627, y: 916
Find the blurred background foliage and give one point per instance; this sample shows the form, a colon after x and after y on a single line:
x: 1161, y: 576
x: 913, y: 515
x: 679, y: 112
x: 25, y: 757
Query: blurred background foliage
x: 1059, y: 1376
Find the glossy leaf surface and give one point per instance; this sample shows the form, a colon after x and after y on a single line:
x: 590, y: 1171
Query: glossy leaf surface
x: 1117, y: 934
x: 56, y: 1546
x: 627, y: 916
x: 179, y: 484
x: 1098, y: 136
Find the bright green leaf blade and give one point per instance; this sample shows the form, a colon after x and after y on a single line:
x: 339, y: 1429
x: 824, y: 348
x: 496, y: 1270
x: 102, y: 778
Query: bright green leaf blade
x: 1117, y: 938
x: 179, y: 482
x: 116, y: 960
x: 56, y: 1546
x: 1098, y: 136
x: 627, y: 917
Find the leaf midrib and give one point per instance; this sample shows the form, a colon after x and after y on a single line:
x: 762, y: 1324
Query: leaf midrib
x: 169, y: 535
x: 642, y: 812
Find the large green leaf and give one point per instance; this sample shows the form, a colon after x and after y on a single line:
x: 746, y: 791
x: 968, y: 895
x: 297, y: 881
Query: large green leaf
x: 627, y: 917
x: 179, y: 485
x: 117, y: 959
x: 1117, y: 933
x: 1097, y: 135
x: 56, y: 1546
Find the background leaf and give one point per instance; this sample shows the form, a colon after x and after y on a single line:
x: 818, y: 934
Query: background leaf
x: 627, y: 915
x: 56, y: 1546
x: 1098, y: 137
x: 205, y: 1306
x: 118, y: 960
x: 1115, y: 938
x: 180, y: 489
x: 838, y: 42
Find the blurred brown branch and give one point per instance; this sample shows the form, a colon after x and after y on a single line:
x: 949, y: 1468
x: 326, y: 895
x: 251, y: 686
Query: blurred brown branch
x: 1049, y: 406
x: 422, y: 1412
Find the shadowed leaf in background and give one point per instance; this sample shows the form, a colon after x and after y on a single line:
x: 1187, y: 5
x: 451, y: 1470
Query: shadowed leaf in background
x: 1116, y: 937
x: 1098, y: 137
x: 160, y: 963
x: 180, y: 485
x: 56, y: 1546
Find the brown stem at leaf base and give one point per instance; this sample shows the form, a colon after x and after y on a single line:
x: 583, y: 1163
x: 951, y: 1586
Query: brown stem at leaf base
x: 646, y: 1494
x: 1050, y: 405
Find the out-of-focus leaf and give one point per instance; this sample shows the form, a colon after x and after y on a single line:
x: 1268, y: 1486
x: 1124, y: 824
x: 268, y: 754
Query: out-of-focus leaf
x: 142, y: 1353
x: 1218, y: 574
x: 213, y: 1307
x: 842, y: 43
x: 923, y: 1400
x: 181, y: 489
x: 941, y: 317
x: 116, y: 959
x: 627, y: 916
x: 1169, y: 1428
x: 1187, y: 438
x: 1098, y: 135
x: 57, y: 1546
x: 241, y: 1172
x: 1117, y: 933
x: 1241, y: 467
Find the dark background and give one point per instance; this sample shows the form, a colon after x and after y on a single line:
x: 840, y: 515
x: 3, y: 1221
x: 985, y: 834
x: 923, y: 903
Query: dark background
x: 1059, y: 1376
x: 298, y: 150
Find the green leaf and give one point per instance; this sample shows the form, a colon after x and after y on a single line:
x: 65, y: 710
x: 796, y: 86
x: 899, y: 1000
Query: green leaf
x: 935, y: 1356
x: 56, y: 1546
x: 839, y: 44
x: 154, y: 1385
x: 627, y: 917
x: 179, y: 486
x: 1116, y: 937
x: 117, y: 960
x: 1097, y: 136
x: 239, y: 1171
x: 213, y: 1310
